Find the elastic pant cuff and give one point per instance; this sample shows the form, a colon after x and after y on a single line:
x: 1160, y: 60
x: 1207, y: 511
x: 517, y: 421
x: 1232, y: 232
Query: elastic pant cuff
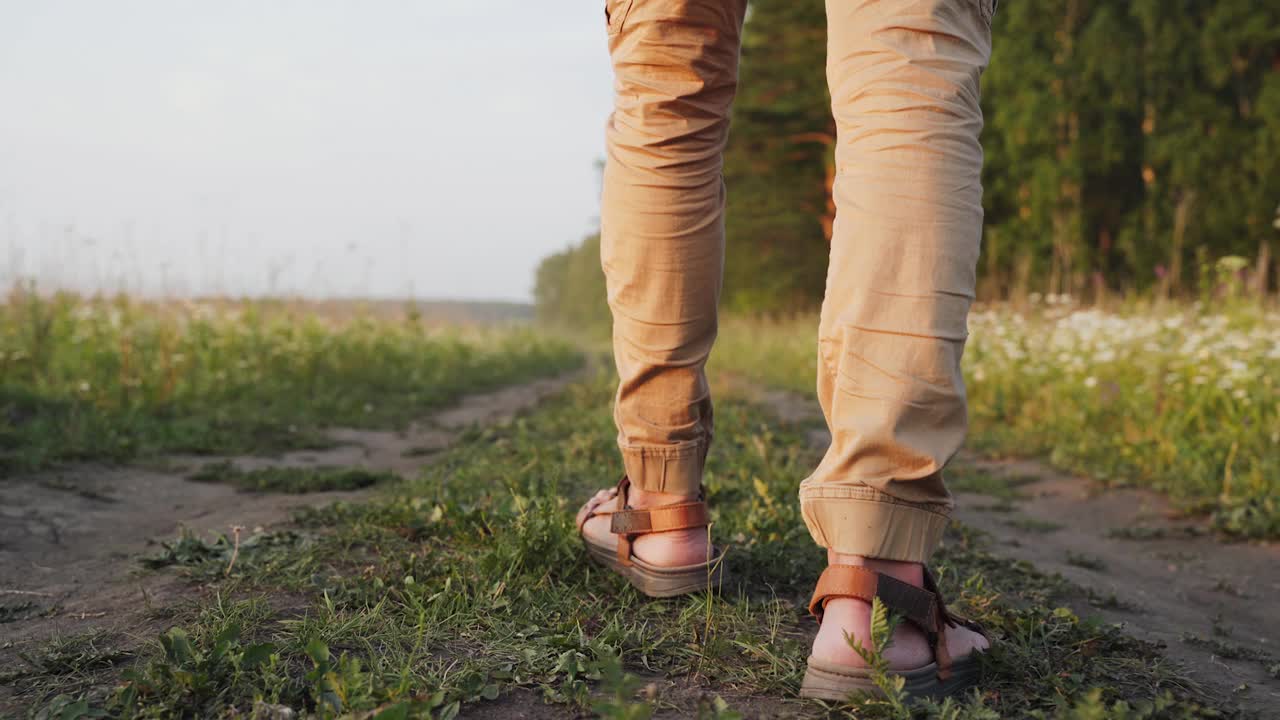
x: 675, y: 469
x: 864, y: 521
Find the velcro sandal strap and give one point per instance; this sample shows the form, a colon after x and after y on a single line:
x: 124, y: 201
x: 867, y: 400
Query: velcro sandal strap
x: 946, y: 619
x: 627, y: 522
x: 915, y: 604
x: 660, y: 519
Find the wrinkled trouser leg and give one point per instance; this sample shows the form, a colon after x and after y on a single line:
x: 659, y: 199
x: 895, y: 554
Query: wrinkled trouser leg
x: 903, y: 76
x: 662, y: 225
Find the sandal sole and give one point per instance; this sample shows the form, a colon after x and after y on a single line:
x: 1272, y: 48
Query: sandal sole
x: 657, y: 582
x: 829, y: 681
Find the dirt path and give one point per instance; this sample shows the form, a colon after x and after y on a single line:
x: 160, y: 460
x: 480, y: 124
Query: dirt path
x: 1212, y: 605
x: 70, y: 538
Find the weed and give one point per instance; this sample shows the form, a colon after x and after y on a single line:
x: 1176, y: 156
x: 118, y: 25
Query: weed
x: 1110, y: 601
x: 74, y: 654
x: 65, y: 707
x: 10, y: 612
x: 1150, y: 532
x: 619, y: 688
x: 1223, y: 585
x: 192, y: 674
x: 1247, y: 517
x: 1088, y: 562
x: 892, y: 701
x: 259, y: 553
x: 1226, y: 650
x: 1093, y: 706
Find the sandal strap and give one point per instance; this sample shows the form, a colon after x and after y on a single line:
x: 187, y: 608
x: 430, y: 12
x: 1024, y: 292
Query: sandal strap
x: 918, y: 605
x: 628, y: 523
x: 660, y: 519
x: 595, y: 509
x: 941, y: 654
x: 946, y: 618
x: 922, y: 606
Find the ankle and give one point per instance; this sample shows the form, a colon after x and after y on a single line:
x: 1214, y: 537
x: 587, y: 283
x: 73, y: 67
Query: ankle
x: 908, y: 572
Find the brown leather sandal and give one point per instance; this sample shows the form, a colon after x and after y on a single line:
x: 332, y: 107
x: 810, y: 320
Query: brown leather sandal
x: 629, y: 523
x: 923, y: 607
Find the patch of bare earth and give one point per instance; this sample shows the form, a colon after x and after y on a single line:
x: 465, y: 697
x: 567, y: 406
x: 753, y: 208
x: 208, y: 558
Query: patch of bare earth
x: 1212, y: 605
x: 672, y: 698
x: 70, y: 538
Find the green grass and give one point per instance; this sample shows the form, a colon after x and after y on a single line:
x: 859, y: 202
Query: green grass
x: 291, y: 480
x: 119, y: 379
x: 14, y: 611
x: 1032, y: 525
x: 468, y: 586
x: 966, y: 478
x: 1088, y: 562
x: 1184, y: 399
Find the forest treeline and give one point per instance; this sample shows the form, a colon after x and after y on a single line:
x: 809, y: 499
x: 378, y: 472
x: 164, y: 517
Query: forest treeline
x: 1129, y: 144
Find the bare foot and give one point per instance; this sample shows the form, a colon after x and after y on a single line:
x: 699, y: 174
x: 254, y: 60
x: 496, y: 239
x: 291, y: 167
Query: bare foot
x: 673, y: 548
x: 910, y: 648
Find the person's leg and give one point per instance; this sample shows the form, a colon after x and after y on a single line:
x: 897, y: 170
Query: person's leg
x: 903, y: 76
x: 662, y: 244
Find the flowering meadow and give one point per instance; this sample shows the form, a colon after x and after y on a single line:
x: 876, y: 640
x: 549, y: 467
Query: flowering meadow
x: 1183, y: 398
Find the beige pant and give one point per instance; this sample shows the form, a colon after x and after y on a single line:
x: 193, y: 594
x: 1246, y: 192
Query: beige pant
x: 903, y: 76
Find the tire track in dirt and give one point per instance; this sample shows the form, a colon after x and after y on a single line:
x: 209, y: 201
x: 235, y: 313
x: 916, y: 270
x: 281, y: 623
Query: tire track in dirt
x: 1166, y: 579
x: 69, y: 538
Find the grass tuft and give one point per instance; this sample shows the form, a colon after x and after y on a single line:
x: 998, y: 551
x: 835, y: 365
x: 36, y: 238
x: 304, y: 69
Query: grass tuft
x: 293, y: 480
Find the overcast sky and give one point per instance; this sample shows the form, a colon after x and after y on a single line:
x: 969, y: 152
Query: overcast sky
x: 433, y: 148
